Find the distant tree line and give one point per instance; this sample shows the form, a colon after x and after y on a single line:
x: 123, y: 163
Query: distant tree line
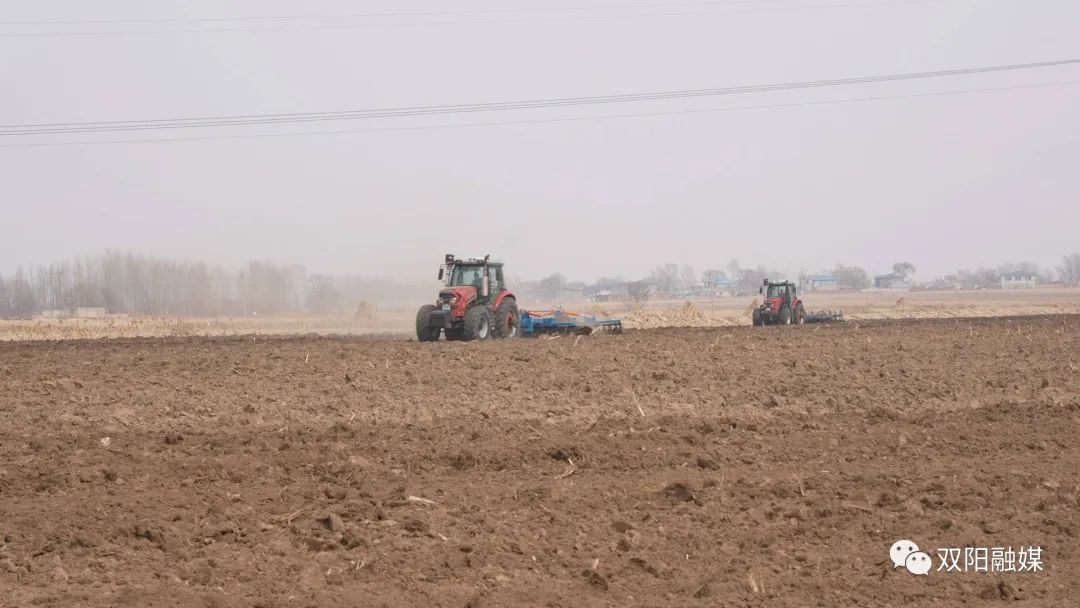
x: 989, y: 278
x: 138, y: 284
x: 122, y: 282
x: 127, y: 283
x: 675, y: 280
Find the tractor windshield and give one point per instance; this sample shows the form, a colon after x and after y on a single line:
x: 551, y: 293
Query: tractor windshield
x: 777, y: 291
x: 467, y: 276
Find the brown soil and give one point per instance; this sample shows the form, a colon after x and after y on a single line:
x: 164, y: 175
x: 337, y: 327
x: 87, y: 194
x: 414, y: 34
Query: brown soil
x: 690, y: 467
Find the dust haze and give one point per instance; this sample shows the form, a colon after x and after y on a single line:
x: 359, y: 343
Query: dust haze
x: 945, y: 182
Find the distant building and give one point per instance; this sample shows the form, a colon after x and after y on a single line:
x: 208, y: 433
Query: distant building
x: 821, y: 282
x: 1019, y: 280
x: 90, y: 313
x: 53, y: 314
x: 718, y: 286
x: 891, y: 281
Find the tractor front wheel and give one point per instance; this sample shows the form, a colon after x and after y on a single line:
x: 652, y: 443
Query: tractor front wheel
x: 477, y: 324
x: 507, y: 320
x: 424, y: 331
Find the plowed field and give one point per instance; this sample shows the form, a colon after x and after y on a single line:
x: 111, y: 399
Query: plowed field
x: 675, y: 467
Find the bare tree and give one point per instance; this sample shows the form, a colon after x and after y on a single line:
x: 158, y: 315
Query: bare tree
x: 322, y: 296
x: 904, y: 270
x: 712, y: 275
x: 609, y: 283
x: 270, y: 288
x: 1070, y: 269
x: 851, y: 277
x: 687, y: 278
x: 733, y: 269
x: 638, y: 291
x: 23, y: 301
x: 980, y: 278
x: 750, y: 279
x: 5, y: 299
x: 1028, y: 268
x: 666, y: 278
x: 551, y: 287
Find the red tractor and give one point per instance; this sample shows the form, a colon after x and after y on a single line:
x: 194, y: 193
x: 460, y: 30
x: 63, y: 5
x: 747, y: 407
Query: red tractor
x: 781, y: 306
x: 474, y: 305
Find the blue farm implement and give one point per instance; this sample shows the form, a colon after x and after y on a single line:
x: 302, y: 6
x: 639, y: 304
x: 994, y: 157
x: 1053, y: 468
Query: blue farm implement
x: 824, y: 316
x: 562, y: 322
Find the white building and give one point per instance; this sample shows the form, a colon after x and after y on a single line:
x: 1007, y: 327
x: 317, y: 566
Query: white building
x: 822, y: 282
x: 1019, y: 280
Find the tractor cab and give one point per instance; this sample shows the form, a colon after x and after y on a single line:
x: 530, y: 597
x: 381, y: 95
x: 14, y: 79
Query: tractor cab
x: 483, y: 275
x: 784, y: 291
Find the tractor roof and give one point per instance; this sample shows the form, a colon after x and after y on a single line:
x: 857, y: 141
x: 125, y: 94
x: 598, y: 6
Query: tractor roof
x: 477, y: 262
x: 473, y: 261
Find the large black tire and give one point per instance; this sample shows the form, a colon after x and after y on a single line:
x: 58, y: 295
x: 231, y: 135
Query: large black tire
x: 785, y: 316
x: 755, y: 317
x: 507, y: 320
x: 477, y: 324
x: 424, y: 331
x: 800, y: 315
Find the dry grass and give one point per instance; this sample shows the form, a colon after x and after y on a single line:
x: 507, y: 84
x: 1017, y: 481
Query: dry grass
x: 857, y: 306
x: 700, y: 312
x: 151, y: 327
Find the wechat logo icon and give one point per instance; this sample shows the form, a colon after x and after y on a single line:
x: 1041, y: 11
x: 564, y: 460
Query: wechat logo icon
x: 906, y: 554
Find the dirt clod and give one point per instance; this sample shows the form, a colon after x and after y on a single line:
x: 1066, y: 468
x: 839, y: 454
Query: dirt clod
x: 707, y: 463
x: 1001, y: 590
x: 416, y: 525
x: 334, y: 523
x: 680, y: 492
x: 595, y: 579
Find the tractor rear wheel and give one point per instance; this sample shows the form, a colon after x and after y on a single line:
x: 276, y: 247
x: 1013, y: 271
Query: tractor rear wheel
x: 800, y: 315
x: 786, y: 315
x: 755, y: 317
x: 477, y: 324
x: 507, y: 319
x: 424, y: 331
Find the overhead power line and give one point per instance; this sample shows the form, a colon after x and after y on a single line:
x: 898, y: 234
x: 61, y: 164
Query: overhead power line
x: 547, y: 120
x: 380, y: 15
x: 262, y: 119
x: 697, y: 10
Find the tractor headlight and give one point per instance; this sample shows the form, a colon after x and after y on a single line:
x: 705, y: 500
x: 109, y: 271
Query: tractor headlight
x: 453, y: 300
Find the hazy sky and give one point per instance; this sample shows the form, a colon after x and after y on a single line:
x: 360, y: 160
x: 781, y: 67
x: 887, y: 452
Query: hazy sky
x: 945, y: 182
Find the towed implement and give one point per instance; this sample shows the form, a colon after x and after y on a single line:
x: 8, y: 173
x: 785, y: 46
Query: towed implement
x: 474, y: 304
x: 824, y: 316
x: 561, y: 322
x: 782, y: 306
